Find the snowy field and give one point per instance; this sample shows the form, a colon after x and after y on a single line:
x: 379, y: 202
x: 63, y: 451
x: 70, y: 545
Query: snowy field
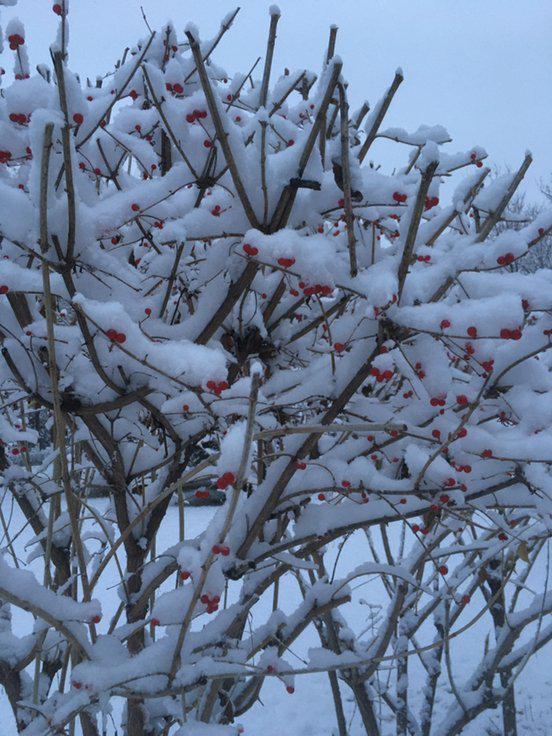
x: 309, y: 711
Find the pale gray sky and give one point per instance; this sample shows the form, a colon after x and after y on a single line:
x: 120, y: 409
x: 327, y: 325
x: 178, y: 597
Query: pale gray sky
x: 482, y: 68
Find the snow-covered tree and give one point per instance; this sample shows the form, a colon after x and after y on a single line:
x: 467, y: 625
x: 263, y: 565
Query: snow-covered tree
x: 194, y: 259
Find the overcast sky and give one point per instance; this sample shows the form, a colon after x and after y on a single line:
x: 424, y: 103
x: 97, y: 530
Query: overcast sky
x: 481, y: 68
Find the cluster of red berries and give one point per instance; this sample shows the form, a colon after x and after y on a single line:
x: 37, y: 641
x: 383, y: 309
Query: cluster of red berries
x: 473, y: 157
x: 115, y: 336
x: 462, y: 468
x: 507, y: 334
x: 211, y: 602
x: 225, y: 480
x: 15, y: 40
x: 202, y: 494
x: 177, y: 88
x: 191, y: 117
x: 488, y: 365
x: 381, y: 376
x: 398, y: 197
x: 424, y: 259
x: 437, y: 401
x: 251, y: 250
x: 5, y: 156
x: 419, y: 371
x: 321, y: 289
x: 286, y: 262
x: 217, y: 387
x: 220, y: 549
x: 431, y: 202
x: 17, y: 450
x: 506, y: 259
x: 21, y: 118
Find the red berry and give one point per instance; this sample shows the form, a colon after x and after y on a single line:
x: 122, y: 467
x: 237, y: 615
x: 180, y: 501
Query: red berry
x: 216, y: 549
x: 300, y: 465
x: 462, y: 399
x: 445, y: 323
x: 155, y: 622
x: 4, y: 289
x: 472, y: 331
x: 112, y: 334
x: 58, y: 10
x: 487, y: 453
x: 120, y: 337
x: 339, y: 347
x: 135, y: 207
x: 290, y: 689
x: 178, y: 88
x: 78, y: 118
x: 207, y: 143
x: 466, y: 599
x: 286, y: 262
x: 96, y: 619
x: 250, y: 249
x: 415, y: 528
x: 147, y: 310
x: 436, y: 433
x: 321, y: 496
x: 184, y: 574
x: 443, y: 569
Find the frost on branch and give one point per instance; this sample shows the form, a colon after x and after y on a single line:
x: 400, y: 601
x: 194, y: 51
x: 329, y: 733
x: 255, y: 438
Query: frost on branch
x: 208, y: 288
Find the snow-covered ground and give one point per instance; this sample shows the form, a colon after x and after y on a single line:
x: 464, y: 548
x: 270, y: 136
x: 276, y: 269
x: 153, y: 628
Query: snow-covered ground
x: 309, y: 711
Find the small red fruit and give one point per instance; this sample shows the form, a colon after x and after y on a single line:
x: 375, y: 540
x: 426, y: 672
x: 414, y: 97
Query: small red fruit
x: 250, y: 249
x: 286, y: 262
x: 443, y: 569
x: 57, y: 9
x: 135, y: 207
x: 78, y: 118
